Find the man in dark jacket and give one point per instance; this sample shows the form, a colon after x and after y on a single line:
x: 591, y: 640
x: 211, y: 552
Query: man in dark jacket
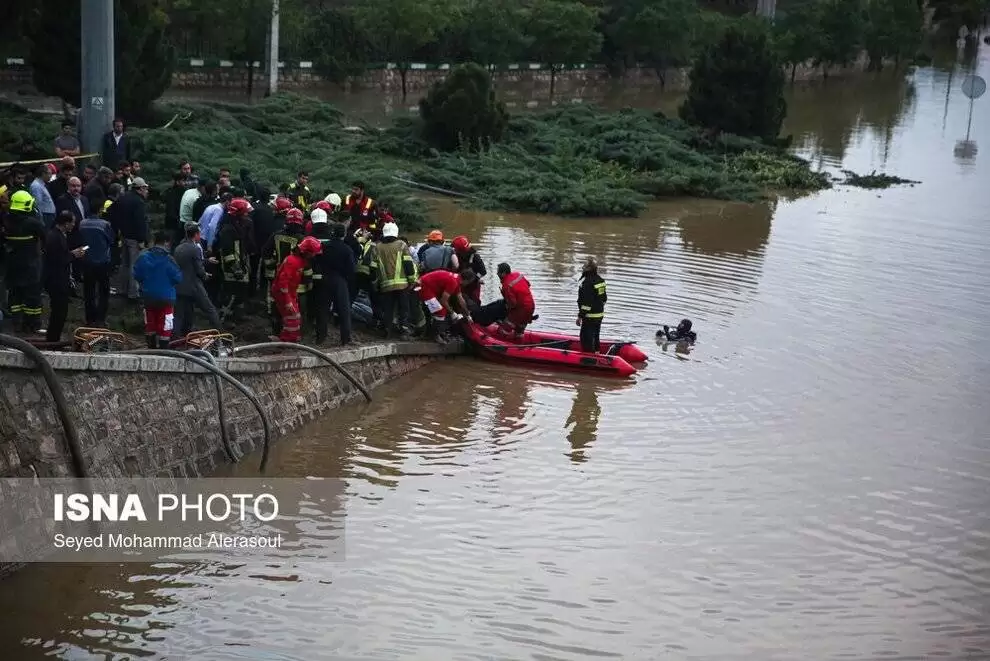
x: 97, y: 234
x: 264, y: 226
x: 173, y: 198
x: 98, y: 190
x: 57, y: 276
x: 59, y: 184
x: 73, y: 201
x: 129, y: 219
x: 333, y: 280
x: 116, y: 147
x: 191, y: 292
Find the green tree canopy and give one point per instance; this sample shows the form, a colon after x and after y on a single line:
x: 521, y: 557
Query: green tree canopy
x: 797, y: 34
x: 893, y: 29
x: 144, y: 57
x: 842, y: 24
x: 494, y: 32
x: 461, y: 110
x: 564, y: 32
x: 737, y: 85
x: 658, y: 33
x: 398, y: 29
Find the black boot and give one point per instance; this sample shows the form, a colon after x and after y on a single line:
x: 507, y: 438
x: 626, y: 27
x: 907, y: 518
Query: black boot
x: 163, y: 343
x: 151, y: 340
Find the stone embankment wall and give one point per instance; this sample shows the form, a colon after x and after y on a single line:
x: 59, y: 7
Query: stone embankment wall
x: 149, y: 416
x: 299, y: 76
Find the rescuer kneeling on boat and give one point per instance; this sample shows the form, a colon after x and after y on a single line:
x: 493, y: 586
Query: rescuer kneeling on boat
x: 435, y: 290
x: 516, y: 307
x: 591, y: 305
x: 285, y: 287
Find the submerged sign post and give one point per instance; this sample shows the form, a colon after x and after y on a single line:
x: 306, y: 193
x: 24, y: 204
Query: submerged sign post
x: 973, y: 87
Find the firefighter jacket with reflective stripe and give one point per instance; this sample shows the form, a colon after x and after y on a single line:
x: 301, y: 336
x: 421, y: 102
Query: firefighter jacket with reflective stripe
x: 363, y: 214
x: 301, y: 196
x: 23, y: 237
x: 233, y: 246
x: 592, y: 297
x: 364, y: 261
x: 393, y: 266
x: 280, y: 246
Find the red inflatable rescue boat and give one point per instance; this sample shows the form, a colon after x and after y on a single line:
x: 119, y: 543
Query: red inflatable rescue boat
x: 628, y: 351
x: 546, y: 354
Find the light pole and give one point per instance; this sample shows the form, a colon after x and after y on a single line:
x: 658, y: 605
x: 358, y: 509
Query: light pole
x: 97, y: 107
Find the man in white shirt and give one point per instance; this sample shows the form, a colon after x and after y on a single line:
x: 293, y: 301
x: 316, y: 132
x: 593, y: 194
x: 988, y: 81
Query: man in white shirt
x: 188, y: 201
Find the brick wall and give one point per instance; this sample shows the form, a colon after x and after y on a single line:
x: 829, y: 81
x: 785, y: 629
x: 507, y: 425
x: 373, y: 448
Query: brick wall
x: 147, y: 416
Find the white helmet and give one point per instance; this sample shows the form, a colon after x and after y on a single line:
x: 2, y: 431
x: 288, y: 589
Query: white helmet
x: 333, y: 199
x: 318, y: 216
x: 390, y: 230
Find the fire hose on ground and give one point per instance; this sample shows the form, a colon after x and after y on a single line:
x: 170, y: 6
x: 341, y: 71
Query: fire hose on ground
x: 58, y: 396
x: 316, y: 352
x: 232, y: 452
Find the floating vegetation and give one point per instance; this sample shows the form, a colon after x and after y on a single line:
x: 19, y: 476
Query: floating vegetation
x: 874, y: 180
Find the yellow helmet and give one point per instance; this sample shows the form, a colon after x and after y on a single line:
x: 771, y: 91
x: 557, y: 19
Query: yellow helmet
x: 22, y: 201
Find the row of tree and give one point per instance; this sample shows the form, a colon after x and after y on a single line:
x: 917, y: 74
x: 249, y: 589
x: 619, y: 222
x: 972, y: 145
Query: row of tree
x: 343, y: 36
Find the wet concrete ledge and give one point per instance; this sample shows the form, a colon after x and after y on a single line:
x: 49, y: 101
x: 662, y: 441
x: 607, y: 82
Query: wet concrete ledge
x: 151, y: 416
x: 257, y: 363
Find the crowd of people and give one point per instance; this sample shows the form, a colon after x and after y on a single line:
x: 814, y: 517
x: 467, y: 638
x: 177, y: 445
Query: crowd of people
x: 227, y: 246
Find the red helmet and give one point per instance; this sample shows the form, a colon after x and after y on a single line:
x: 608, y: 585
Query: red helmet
x: 310, y: 246
x: 294, y: 216
x: 323, y: 204
x: 282, y: 204
x: 239, y: 207
x: 461, y: 244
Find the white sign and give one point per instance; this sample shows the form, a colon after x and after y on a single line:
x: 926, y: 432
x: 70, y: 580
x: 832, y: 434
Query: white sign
x: 96, y: 101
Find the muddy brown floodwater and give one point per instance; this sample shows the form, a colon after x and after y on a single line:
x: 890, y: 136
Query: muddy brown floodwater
x: 811, y: 481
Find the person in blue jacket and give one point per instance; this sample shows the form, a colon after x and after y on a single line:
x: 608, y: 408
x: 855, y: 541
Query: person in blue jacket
x: 157, y: 274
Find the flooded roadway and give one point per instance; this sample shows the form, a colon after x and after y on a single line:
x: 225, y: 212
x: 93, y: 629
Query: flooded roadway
x: 811, y: 481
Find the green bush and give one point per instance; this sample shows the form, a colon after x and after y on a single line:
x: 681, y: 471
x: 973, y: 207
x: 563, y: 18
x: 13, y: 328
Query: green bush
x: 461, y: 110
x: 737, y: 85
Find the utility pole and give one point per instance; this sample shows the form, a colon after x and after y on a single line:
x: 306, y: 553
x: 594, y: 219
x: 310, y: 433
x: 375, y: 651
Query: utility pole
x: 766, y: 8
x: 98, y: 84
x: 273, y: 51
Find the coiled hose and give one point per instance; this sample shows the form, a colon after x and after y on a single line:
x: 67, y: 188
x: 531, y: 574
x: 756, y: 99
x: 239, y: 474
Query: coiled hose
x: 316, y: 352
x: 58, y: 396
x: 229, y: 379
x: 232, y: 452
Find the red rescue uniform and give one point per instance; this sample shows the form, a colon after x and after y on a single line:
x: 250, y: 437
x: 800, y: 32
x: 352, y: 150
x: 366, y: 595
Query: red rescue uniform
x: 285, y: 294
x: 518, y: 299
x: 435, y: 284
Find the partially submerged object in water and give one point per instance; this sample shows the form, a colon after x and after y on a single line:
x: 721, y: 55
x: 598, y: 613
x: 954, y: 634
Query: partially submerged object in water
x: 682, y: 333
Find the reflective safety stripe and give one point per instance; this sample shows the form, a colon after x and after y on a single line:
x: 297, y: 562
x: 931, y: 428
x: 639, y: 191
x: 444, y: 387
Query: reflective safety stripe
x: 594, y: 315
x: 363, y: 267
x: 21, y: 238
x: 15, y: 308
x: 399, y: 280
x: 585, y: 308
x: 317, y: 276
x: 600, y: 287
x: 31, y: 312
x: 515, y: 281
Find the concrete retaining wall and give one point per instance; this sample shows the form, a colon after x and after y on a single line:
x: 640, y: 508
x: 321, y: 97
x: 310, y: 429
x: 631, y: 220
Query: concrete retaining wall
x: 299, y: 76
x: 148, y: 416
